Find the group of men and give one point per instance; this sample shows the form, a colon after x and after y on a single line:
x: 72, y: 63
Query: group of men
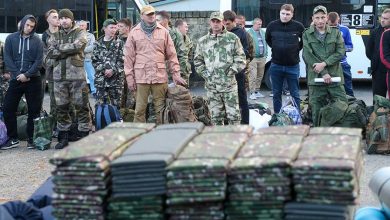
x: 139, y: 58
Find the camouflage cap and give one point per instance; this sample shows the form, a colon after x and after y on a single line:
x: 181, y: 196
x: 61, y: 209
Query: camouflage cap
x: 216, y: 15
x: 319, y: 8
x: 147, y: 9
x: 108, y: 22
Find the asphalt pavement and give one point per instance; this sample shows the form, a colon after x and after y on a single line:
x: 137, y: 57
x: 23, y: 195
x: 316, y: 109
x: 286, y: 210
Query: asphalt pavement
x: 22, y: 171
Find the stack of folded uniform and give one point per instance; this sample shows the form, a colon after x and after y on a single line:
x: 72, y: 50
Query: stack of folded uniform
x: 260, y: 177
x: 197, y: 179
x: 327, y: 172
x: 139, y: 175
x: 82, y: 176
x: 312, y: 211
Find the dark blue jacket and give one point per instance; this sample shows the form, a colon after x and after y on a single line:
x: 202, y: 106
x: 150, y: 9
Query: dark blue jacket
x: 23, y: 54
x: 244, y: 40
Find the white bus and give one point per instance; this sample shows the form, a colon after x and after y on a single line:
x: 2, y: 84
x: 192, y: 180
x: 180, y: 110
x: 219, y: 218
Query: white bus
x: 361, y: 16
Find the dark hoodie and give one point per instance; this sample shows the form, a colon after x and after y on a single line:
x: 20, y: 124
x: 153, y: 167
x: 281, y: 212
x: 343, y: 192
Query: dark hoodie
x: 243, y: 39
x: 23, y: 54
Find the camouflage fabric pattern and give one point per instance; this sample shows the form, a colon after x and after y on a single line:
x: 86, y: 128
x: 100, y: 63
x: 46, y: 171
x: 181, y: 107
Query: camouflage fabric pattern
x: 224, y: 106
x: 66, y: 49
x: 72, y: 92
x: 181, y: 51
x: 302, y: 130
x: 109, y: 58
x: 229, y: 129
x: 189, y: 50
x: 217, y: 59
x: 4, y: 83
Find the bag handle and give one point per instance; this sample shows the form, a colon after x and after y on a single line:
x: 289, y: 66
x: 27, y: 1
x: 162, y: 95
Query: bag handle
x: 99, y: 117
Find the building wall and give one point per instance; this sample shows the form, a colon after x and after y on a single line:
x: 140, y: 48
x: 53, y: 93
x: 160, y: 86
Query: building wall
x: 187, y: 5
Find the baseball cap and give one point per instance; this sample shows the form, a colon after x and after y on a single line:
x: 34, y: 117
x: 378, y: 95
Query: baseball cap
x: 109, y: 21
x: 216, y: 15
x: 319, y: 8
x: 147, y: 9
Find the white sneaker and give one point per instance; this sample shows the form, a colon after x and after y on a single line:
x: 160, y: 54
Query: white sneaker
x: 253, y: 96
x: 259, y: 95
x: 271, y: 95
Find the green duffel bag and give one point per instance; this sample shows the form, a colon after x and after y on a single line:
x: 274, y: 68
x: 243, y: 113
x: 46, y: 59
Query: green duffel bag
x: 22, y: 127
x: 280, y: 119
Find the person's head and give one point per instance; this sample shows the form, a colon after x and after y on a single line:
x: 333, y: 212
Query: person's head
x: 148, y: 14
x: 27, y: 25
x: 257, y: 22
x: 286, y: 13
x: 109, y: 27
x: 163, y: 18
x: 320, y: 17
x: 215, y: 22
x: 333, y: 18
x: 52, y: 19
x: 83, y: 25
x: 240, y: 20
x: 385, y: 18
x: 229, y: 19
x: 66, y: 18
x: 124, y: 26
x: 182, y: 26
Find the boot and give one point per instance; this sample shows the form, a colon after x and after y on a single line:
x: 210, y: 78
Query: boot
x: 62, y: 140
x: 74, y: 136
x: 83, y: 134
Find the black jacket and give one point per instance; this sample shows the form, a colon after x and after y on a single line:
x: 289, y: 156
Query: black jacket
x: 23, y: 54
x: 285, y: 39
x: 372, y: 51
x: 240, y: 33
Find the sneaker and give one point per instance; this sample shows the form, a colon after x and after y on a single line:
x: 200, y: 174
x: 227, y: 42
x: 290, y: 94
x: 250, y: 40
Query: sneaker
x: 30, y: 145
x: 11, y: 143
x: 259, y: 95
x: 271, y: 95
x: 253, y: 96
x: 286, y: 92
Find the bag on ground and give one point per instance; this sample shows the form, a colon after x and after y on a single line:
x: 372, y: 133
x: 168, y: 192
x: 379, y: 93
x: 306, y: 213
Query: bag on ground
x: 291, y: 109
x: 22, y: 127
x: 201, y: 110
x: 3, y: 133
x: 105, y: 114
x: 43, y: 130
x: 377, y: 132
x: 280, y: 119
x: 178, y: 106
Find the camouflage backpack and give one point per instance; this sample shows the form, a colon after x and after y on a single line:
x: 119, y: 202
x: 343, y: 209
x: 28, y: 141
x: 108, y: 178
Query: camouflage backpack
x: 178, y: 106
x: 201, y: 109
x: 378, y: 134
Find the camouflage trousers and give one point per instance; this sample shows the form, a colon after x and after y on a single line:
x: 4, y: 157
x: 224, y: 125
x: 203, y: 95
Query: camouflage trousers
x: 3, y: 90
x: 128, y: 98
x: 69, y: 92
x: 224, y: 105
x: 109, y: 95
x: 256, y: 73
x: 320, y: 96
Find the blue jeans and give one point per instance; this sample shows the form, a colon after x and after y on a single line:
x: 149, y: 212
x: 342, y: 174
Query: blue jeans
x: 90, y: 74
x: 280, y: 73
x: 347, y: 78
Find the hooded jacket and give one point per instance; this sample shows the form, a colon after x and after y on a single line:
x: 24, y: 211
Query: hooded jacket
x: 23, y: 54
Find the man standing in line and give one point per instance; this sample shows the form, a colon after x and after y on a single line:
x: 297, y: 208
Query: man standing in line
x: 385, y: 53
x: 4, y: 79
x: 147, y: 50
x: 163, y: 18
x: 218, y: 59
x: 23, y: 55
x: 333, y: 21
x: 182, y: 27
x: 257, y: 65
x: 124, y: 27
x: 229, y: 20
x: 284, y: 36
x: 66, y: 48
x: 323, y: 48
x: 108, y: 62
x: 378, y: 70
x: 88, y: 51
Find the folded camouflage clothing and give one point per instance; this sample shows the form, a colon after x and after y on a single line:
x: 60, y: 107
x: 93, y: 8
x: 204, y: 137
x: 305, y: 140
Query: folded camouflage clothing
x: 82, y: 178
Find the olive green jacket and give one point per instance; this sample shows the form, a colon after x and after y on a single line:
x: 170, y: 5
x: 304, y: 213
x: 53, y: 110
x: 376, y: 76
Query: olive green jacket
x: 331, y: 51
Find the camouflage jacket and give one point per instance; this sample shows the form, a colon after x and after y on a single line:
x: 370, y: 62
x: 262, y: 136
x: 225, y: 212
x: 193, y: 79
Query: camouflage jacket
x: 217, y: 59
x: 104, y: 58
x: 47, y: 62
x: 67, y: 51
x: 189, y: 46
x: 251, y: 47
x: 182, y: 56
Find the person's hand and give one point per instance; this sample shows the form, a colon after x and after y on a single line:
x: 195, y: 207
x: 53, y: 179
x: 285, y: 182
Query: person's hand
x: 318, y: 67
x: 179, y: 81
x: 22, y: 78
x: 7, y: 76
x: 132, y: 86
x: 108, y: 73
x: 327, y: 79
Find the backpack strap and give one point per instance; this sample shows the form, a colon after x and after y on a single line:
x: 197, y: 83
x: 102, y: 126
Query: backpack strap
x: 106, y: 113
x: 98, y: 116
